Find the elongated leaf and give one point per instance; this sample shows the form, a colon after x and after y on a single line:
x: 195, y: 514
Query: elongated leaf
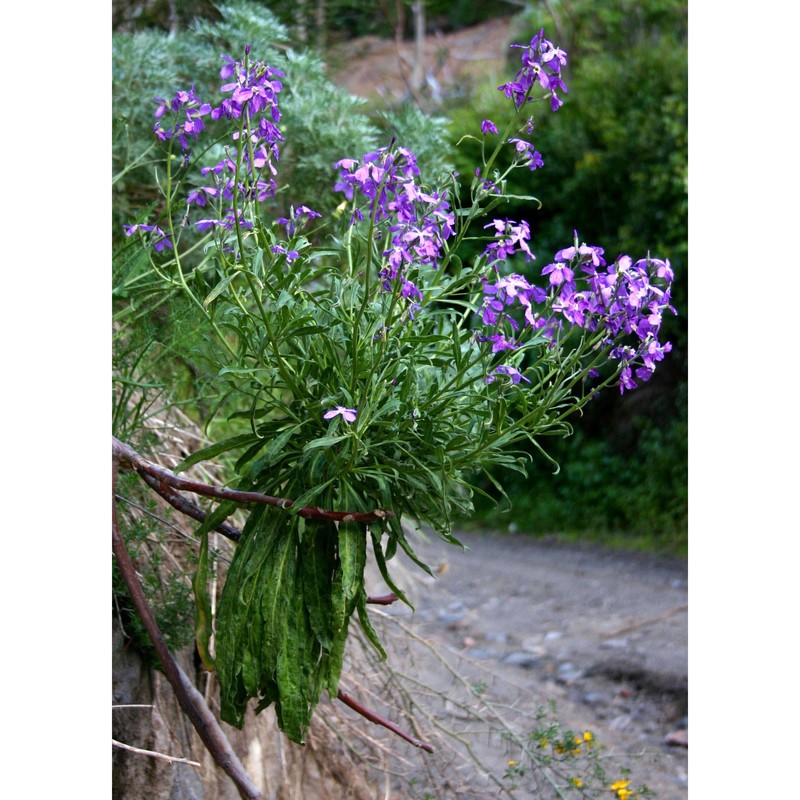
x: 381, y: 562
x: 366, y: 625
x: 297, y: 663
x: 217, y: 516
x: 202, y: 605
x: 274, y: 449
x: 324, y: 441
x: 399, y: 535
x: 218, y: 289
x: 212, y: 451
x: 238, y: 669
x: 318, y: 553
x: 352, y: 552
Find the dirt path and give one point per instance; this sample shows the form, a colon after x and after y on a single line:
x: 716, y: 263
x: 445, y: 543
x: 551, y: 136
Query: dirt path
x: 604, y: 634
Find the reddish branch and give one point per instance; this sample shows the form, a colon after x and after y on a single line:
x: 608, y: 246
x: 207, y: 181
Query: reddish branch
x: 379, y: 720
x: 187, y: 506
x: 128, y: 457
x: 383, y: 600
x: 191, y: 701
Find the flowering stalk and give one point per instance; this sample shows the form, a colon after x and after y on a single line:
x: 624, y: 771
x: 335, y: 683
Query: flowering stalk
x: 375, y: 369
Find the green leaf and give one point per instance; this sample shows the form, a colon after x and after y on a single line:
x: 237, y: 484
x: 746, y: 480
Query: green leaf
x: 214, y: 450
x: 216, y: 517
x: 352, y: 552
x: 203, y: 628
x: 219, y: 289
x: 381, y: 562
x: 366, y: 625
x: 306, y: 498
x: 274, y: 449
x: 324, y: 441
x: 318, y: 553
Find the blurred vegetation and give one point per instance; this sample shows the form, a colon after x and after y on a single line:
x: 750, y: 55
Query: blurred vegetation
x: 615, y: 169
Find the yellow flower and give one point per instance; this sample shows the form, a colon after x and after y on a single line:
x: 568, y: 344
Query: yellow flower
x: 588, y: 736
x: 622, y: 790
x: 577, y: 782
x: 512, y: 763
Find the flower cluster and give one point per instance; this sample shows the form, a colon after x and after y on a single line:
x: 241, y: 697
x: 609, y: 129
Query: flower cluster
x: 159, y: 239
x: 249, y: 174
x: 187, y: 117
x: 623, y: 301
x: 419, y: 222
x: 253, y: 100
x: 542, y: 62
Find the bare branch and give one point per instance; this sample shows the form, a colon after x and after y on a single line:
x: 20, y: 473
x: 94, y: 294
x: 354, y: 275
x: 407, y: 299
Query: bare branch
x: 127, y: 457
x: 187, y: 507
x: 379, y: 720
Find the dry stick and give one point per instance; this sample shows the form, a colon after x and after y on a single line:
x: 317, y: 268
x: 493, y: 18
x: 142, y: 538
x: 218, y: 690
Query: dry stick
x: 191, y: 701
x: 128, y: 457
x: 379, y: 720
x: 155, y: 754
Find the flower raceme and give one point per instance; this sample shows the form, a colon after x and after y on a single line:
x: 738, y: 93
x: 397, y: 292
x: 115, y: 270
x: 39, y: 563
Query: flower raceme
x: 542, y: 62
x: 626, y: 299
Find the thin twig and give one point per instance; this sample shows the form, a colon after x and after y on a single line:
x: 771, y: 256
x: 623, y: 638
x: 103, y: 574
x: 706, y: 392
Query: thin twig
x: 129, y: 458
x: 154, y: 754
x: 379, y: 720
x: 191, y: 701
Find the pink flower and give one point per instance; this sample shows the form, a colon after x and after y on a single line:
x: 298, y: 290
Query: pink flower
x: 349, y: 414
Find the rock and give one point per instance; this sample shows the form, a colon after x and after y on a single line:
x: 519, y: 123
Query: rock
x: 452, y: 613
x: 621, y: 722
x: 595, y: 699
x: 568, y: 673
x: 522, y: 659
x: 679, y: 738
x: 614, y: 644
x: 479, y: 653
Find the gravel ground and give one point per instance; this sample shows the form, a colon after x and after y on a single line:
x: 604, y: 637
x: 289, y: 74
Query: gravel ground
x: 602, y: 633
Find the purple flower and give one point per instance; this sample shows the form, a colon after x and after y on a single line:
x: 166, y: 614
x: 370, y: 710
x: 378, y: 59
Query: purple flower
x: 296, y: 216
x: 541, y: 63
x: 348, y: 414
x: 504, y: 369
x: 487, y: 127
x: 159, y: 240
x: 499, y: 342
x: 528, y: 155
x: 559, y: 273
x: 291, y: 255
